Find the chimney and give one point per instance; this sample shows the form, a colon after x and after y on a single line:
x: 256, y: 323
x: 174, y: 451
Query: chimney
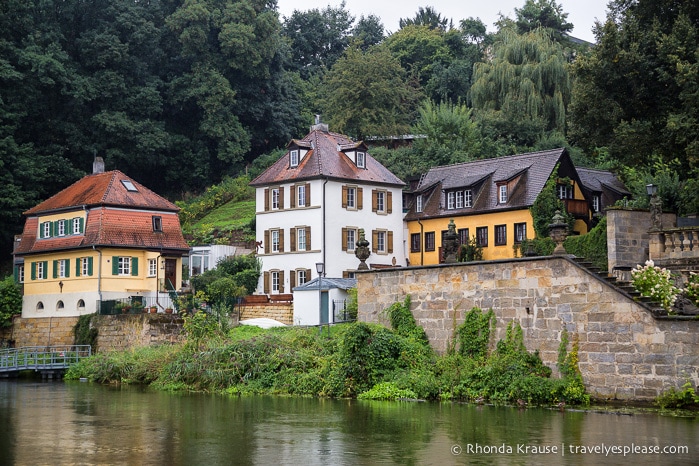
x: 98, y: 165
x: 318, y: 126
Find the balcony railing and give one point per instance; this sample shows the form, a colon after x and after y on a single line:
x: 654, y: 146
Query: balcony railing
x: 577, y: 208
x: 674, y: 243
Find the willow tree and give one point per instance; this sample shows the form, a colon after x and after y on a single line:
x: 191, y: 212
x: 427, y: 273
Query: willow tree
x: 522, y: 92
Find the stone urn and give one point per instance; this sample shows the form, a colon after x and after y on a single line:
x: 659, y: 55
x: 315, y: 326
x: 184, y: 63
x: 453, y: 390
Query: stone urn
x: 558, y: 231
x: 362, y: 251
x: 450, y: 243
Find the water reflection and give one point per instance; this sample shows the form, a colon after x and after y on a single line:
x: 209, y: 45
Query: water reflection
x: 78, y: 423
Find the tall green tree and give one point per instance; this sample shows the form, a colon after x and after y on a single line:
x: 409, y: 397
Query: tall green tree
x: 522, y: 92
x: 428, y: 17
x: 367, y: 94
x: 546, y: 14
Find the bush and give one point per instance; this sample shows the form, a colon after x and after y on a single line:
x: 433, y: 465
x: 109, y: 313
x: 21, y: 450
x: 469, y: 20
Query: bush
x: 656, y: 283
x: 10, y: 300
x: 692, y: 289
x: 592, y: 246
x: 674, y: 399
x: 84, y: 333
x: 386, y: 391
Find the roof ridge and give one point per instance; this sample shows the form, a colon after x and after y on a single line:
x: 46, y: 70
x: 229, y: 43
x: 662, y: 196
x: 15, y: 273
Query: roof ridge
x: 525, y: 154
x: 109, y: 185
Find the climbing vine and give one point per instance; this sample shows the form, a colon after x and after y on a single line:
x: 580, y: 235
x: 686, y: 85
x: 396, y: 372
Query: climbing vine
x: 85, y: 333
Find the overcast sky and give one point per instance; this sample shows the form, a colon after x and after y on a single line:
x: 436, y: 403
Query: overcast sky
x: 582, y: 13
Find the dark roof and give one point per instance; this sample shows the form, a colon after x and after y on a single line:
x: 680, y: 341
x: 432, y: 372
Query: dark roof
x: 328, y: 283
x: 528, y: 173
x: 326, y: 159
x: 598, y: 180
x: 106, y: 188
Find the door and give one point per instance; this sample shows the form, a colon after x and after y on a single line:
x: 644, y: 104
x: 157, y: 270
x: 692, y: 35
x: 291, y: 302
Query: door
x: 170, y: 273
x: 324, y: 307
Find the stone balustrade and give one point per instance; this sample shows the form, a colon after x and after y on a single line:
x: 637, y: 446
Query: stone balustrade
x: 674, y: 243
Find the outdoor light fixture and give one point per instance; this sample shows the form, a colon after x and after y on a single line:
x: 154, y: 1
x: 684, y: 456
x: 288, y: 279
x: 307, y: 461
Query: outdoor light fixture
x: 651, y: 189
x: 320, y: 268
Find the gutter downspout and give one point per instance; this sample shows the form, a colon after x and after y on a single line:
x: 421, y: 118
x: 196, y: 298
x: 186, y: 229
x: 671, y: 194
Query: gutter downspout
x: 157, y: 279
x: 323, y: 227
x: 422, y: 240
x: 99, y: 275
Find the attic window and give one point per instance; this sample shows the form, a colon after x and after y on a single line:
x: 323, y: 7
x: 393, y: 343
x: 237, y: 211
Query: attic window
x: 157, y: 223
x: 294, y: 158
x: 361, y: 162
x: 129, y: 186
x: 502, y: 194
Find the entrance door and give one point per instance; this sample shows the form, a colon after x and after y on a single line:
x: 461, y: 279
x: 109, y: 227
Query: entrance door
x: 324, y: 307
x: 170, y: 273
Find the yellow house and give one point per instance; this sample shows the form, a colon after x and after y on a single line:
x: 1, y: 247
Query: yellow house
x: 489, y: 200
x: 104, y: 238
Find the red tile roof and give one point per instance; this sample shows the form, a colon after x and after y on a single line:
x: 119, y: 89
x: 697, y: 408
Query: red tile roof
x: 326, y: 159
x: 103, y: 189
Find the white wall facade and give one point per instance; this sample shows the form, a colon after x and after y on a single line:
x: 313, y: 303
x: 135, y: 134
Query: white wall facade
x: 306, y: 305
x: 326, y: 218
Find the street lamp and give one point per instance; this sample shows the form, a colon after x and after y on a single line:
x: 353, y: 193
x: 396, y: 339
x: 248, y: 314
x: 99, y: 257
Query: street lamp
x: 320, y: 268
x: 651, y: 189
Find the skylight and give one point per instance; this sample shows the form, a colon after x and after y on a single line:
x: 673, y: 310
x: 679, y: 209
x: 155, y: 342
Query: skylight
x: 129, y: 186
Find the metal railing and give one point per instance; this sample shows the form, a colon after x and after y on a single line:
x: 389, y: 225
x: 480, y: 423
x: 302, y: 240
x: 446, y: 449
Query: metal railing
x: 42, y: 357
x: 340, y: 312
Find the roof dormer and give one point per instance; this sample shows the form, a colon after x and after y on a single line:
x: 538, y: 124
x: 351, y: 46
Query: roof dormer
x: 356, y: 152
x: 297, y: 151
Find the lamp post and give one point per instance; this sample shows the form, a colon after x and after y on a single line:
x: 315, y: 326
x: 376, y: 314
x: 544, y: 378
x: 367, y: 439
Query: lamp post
x: 320, y: 268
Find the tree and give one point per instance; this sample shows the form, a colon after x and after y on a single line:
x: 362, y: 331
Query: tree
x: 546, y: 14
x: 523, y: 91
x: 10, y: 301
x: 419, y: 49
x: 368, y: 94
x: 369, y: 31
x: 427, y: 17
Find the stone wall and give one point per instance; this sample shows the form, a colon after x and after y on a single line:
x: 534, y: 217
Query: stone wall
x: 625, y: 353
x: 283, y: 312
x: 123, y: 332
x: 44, y: 331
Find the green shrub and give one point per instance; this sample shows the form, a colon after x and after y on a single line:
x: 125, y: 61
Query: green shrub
x: 386, y: 391
x: 10, y: 300
x: 675, y: 399
x: 84, y: 333
x: 474, y: 333
x: 592, y: 246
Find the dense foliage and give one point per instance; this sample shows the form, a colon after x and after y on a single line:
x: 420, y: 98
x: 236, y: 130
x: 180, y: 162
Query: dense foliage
x: 10, y: 300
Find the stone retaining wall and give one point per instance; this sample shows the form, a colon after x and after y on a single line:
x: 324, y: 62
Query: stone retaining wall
x: 123, y: 332
x: 44, y: 331
x: 283, y: 312
x: 625, y: 353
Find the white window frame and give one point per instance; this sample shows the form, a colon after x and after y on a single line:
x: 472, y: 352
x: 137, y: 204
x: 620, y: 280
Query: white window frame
x: 502, y: 197
x: 84, y: 266
x: 468, y: 198
x: 152, y: 267
x: 40, y: 272
x: 20, y: 273
x: 381, y: 201
x: 62, y: 265
x: 301, y: 277
x: 76, y: 226
x: 595, y: 202
x: 274, y: 236
x: 451, y: 197
x: 361, y: 159
x: 459, y: 199
x: 274, y: 281
x: 294, y: 158
x: 301, y: 239
x: 275, y: 198
x: 47, y: 230
x: 351, y: 197
x: 381, y: 242
x: 61, y: 227
x: 351, y: 239
x: 124, y: 266
x: 418, y: 203
x: 301, y: 195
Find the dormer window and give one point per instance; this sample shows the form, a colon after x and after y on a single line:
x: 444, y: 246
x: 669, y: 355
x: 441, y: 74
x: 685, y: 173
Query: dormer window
x: 294, y: 158
x: 157, y: 223
x: 418, y: 203
x: 502, y: 194
x: 361, y: 160
x: 595, y: 203
x: 565, y: 191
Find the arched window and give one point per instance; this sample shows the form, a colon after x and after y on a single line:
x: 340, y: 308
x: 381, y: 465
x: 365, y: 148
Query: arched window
x: 39, y: 306
x: 59, y: 306
x: 81, y: 305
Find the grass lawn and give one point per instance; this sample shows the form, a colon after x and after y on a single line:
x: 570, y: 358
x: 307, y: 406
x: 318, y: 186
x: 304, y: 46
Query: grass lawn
x: 230, y: 216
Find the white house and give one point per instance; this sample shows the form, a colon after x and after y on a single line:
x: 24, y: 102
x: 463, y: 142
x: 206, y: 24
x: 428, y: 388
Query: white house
x: 311, y: 205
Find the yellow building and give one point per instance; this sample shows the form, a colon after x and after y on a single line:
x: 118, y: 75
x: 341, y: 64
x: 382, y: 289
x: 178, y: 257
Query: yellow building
x: 104, y: 238
x: 489, y: 200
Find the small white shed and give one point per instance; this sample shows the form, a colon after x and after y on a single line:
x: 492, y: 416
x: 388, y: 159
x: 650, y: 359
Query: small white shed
x: 328, y: 294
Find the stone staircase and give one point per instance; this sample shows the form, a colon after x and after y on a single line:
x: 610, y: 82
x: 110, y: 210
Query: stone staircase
x: 625, y: 287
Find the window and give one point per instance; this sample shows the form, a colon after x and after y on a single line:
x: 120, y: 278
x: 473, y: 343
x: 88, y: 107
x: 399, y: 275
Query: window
x: 129, y: 186
x: 61, y: 268
x: 418, y: 203
x: 482, y: 236
x: 61, y: 227
x: 275, y: 240
x: 415, y: 242
x: 500, y: 235
x: 77, y: 226
x: 352, y: 197
x: 429, y: 241
x: 39, y: 306
x: 275, y: 198
x: 301, y: 277
x: 450, y: 200
x: 380, y: 201
x: 85, y: 266
x: 124, y: 266
x: 463, y: 236
x: 20, y: 273
x: 468, y: 198
x: 46, y: 233
x: 520, y: 232
x: 381, y: 241
x: 275, y: 281
x: 565, y: 191
x: 59, y: 305
x: 40, y: 270
x: 459, y: 199
x: 349, y: 239
x: 595, y: 203
x: 198, y: 265
x: 294, y: 158
x: 351, y: 194
x: 152, y: 267
x: 502, y: 197
x: 301, y: 195
x: 81, y: 304
x: 301, y: 239
x: 157, y: 223
x: 361, y: 162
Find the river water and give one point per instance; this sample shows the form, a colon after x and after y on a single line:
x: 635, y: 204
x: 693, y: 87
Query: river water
x: 73, y: 423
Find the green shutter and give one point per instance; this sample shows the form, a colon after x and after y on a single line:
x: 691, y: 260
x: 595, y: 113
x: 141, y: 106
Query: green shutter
x: 115, y: 265
x: 54, y: 229
x: 67, y: 268
x: 77, y: 267
x: 55, y: 269
x: 33, y: 270
x: 16, y: 273
x: 41, y: 230
x: 89, y: 266
x: 82, y: 225
x: 134, y: 266
x: 46, y: 269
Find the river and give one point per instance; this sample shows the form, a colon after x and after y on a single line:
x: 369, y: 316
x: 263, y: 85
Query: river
x: 73, y: 423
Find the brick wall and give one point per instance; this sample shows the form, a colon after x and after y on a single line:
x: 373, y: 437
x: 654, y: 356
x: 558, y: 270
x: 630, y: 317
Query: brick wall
x: 283, y: 312
x: 625, y: 353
